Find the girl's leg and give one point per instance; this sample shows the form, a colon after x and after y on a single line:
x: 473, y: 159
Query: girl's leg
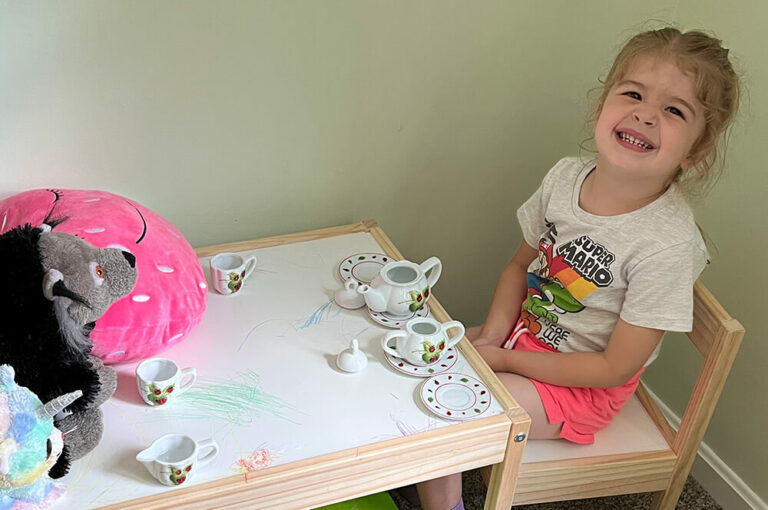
x: 524, y: 392
x: 442, y: 493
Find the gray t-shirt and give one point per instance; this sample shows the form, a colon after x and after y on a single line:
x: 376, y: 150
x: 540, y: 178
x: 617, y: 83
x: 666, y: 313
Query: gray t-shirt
x: 591, y: 270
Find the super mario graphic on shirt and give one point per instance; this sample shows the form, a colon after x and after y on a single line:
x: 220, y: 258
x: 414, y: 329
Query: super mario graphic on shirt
x: 565, y: 276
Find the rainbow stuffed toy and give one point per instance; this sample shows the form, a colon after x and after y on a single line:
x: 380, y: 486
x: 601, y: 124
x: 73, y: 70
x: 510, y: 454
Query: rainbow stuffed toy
x: 29, y: 445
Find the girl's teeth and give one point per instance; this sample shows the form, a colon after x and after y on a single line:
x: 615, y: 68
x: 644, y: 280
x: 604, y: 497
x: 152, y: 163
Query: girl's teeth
x: 634, y: 141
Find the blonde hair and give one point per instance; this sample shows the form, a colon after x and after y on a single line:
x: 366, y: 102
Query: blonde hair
x: 716, y: 84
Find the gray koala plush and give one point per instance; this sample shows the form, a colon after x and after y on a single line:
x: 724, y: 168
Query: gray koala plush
x: 55, y: 286
x: 99, y: 277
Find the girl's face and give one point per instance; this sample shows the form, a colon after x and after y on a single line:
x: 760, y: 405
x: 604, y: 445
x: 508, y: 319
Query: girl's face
x: 649, y: 122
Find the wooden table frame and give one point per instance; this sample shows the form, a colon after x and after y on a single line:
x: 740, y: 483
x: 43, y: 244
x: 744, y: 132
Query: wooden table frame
x: 497, y: 440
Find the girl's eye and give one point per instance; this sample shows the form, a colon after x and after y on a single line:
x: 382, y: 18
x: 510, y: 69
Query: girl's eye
x: 676, y: 111
x: 633, y: 95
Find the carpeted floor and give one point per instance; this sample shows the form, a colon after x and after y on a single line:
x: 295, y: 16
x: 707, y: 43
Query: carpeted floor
x: 694, y: 497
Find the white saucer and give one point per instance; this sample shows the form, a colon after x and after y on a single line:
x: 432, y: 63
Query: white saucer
x: 397, y: 321
x: 455, y: 396
x: 363, y: 267
x: 447, y: 360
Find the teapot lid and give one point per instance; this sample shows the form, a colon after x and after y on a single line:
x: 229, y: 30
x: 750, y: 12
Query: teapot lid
x: 352, y: 359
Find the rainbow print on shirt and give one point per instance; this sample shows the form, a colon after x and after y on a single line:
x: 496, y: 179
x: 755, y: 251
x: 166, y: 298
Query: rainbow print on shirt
x: 564, y: 277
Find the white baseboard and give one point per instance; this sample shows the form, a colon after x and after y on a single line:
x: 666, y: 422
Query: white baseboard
x: 719, y: 480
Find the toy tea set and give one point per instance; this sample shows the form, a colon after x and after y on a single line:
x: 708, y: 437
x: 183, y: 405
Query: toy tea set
x: 173, y: 458
x: 395, y: 294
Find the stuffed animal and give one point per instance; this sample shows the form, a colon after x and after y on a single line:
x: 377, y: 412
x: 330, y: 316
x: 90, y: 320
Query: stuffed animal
x: 55, y: 286
x: 29, y: 445
x: 171, y: 291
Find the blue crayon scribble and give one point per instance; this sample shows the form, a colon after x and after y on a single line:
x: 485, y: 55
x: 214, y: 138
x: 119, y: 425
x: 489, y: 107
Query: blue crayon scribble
x: 317, y: 316
x: 257, y: 326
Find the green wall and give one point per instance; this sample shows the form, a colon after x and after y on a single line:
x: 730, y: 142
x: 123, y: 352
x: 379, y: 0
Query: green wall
x: 437, y: 118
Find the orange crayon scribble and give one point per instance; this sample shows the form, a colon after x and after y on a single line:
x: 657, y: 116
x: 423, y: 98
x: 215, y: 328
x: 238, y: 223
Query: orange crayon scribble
x: 258, y: 459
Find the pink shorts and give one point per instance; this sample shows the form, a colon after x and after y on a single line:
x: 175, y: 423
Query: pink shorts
x: 582, y: 411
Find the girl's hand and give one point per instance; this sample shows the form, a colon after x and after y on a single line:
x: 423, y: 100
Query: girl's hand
x: 487, y: 340
x: 492, y: 355
x: 628, y: 350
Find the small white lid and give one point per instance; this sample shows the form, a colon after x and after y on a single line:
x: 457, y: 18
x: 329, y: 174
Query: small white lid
x: 352, y: 359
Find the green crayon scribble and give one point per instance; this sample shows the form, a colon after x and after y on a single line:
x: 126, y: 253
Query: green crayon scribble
x: 238, y: 401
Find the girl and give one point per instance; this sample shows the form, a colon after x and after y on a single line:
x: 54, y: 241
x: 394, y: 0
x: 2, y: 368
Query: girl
x: 611, y: 249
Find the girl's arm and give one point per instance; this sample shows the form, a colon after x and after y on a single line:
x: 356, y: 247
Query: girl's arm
x: 507, y: 298
x: 628, y: 349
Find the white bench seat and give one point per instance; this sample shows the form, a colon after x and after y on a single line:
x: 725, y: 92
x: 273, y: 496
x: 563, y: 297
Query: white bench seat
x: 631, y: 431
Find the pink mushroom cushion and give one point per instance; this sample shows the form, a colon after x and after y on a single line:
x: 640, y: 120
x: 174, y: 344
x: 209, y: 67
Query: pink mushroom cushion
x: 170, y: 294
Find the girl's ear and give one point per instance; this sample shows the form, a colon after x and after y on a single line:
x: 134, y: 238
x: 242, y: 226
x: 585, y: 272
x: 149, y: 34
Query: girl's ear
x: 694, y: 158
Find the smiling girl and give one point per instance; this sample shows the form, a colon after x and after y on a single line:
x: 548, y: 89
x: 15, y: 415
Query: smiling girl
x: 611, y: 249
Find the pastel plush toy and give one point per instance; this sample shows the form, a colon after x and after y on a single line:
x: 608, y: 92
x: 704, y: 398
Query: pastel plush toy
x: 54, y: 287
x: 29, y: 445
x: 170, y: 295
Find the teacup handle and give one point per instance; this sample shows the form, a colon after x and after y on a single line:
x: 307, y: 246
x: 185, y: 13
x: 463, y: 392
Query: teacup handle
x: 205, y: 459
x: 250, y: 265
x: 458, y: 336
x: 389, y: 336
x: 351, y: 285
x: 436, y: 267
x: 185, y: 386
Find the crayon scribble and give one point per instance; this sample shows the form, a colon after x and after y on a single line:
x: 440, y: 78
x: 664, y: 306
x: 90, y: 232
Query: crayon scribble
x: 317, y: 316
x: 257, y: 459
x: 406, y: 429
x: 253, y: 329
x: 238, y: 401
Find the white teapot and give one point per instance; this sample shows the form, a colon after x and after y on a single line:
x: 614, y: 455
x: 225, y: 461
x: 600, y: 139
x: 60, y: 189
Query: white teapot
x: 402, y: 287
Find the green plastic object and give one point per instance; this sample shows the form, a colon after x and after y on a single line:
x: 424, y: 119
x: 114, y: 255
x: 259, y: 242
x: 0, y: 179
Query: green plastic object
x: 378, y: 501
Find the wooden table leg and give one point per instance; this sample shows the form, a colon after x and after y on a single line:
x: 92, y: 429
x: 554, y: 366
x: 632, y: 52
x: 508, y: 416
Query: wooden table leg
x: 501, y: 487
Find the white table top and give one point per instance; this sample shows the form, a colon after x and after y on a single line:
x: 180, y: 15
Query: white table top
x: 268, y: 390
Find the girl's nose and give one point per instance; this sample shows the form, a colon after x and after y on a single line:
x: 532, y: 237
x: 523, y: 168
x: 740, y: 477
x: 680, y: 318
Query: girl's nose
x: 645, y: 116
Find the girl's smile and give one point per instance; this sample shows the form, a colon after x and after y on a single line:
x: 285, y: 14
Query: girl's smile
x: 633, y: 140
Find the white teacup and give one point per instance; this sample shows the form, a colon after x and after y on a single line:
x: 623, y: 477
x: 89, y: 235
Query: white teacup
x: 160, y: 379
x: 229, y: 271
x: 173, y: 458
x: 423, y: 341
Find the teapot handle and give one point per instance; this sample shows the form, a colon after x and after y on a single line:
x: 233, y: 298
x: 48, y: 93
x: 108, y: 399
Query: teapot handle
x: 458, y: 336
x: 389, y: 336
x: 435, y: 267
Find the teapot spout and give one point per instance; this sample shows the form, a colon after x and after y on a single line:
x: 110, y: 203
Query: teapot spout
x: 374, y: 298
x: 147, y: 456
x: 150, y: 454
